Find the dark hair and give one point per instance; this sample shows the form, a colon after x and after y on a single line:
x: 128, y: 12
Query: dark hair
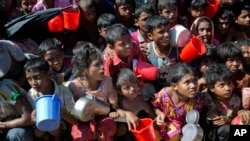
x: 178, y: 71
x: 195, y: 4
x: 146, y: 8
x: 155, y: 21
x: 49, y: 44
x: 216, y: 72
x: 243, y: 42
x: 163, y: 3
x: 118, y: 3
x: 210, y: 53
x: 223, y: 14
x: 84, y: 53
x: 105, y: 20
x: 37, y: 64
x: 115, y: 31
x: 122, y: 77
x: 228, y: 50
x: 204, y: 19
x: 238, y: 7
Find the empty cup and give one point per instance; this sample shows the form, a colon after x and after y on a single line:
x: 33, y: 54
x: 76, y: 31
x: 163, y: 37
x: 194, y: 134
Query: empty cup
x: 145, y: 70
x: 48, y: 112
x: 179, y: 36
x: 212, y: 8
x: 71, y: 19
x: 145, y: 130
x: 192, y: 50
x: 56, y: 24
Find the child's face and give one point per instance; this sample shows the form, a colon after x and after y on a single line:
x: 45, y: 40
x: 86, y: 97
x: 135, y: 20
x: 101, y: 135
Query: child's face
x: 95, y: 70
x: 123, y: 46
x: 89, y: 14
x: 205, y: 31
x: 5, y: 5
x: 140, y: 22
x: 244, y: 18
x: 125, y: 11
x: 38, y: 80
x: 195, y: 13
x: 161, y: 36
x: 223, y: 89
x: 205, y: 63
x: 102, y: 31
x: 246, y: 54
x: 27, y: 5
x: 222, y: 25
x: 233, y: 64
x: 55, y: 59
x: 187, y: 86
x: 170, y: 13
x: 130, y: 90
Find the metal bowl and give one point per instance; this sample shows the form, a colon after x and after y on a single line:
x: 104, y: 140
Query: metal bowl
x: 84, y: 109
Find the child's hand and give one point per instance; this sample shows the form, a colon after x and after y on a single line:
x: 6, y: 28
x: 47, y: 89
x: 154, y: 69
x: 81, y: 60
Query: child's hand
x: 244, y: 116
x: 144, y: 48
x: 220, y: 120
x: 113, y: 115
x: 132, y: 120
x: 160, y: 119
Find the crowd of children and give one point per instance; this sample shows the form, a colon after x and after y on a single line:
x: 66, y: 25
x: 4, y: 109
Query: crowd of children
x: 99, y: 59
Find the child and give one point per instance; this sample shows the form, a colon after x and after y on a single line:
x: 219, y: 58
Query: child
x: 25, y: 7
x: 196, y: 9
x: 103, y: 22
x: 203, y: 28
x: 142, y: 13
x: 124, y: 51
x: 230, y: 55
x: 221, y: 104
x: 124, y: 12
x: 169, y: 10
x: 38, y: 74
x: 51, y: 50
x: 129, y: 97
x: 244, y: 45
x: 241, y: 28
x: 173, y: 102
x: 222, y: 23
x: 89, y: 79
x: 160, y: 53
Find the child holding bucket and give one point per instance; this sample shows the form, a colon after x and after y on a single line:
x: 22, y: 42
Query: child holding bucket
x: 160, y: 52
x: 221, y: 104
x: 173, y: 102
x: 38, y: 74
x: 89, y: 79
x: 51, y: 50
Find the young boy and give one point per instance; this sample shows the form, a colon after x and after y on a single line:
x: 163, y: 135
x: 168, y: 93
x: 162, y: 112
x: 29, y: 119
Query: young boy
x: 142, y: 13
x: 160, y: 53
x: 229, y: 54
x: 221, y: 104
x: 169, y: 10
x: 38, y: 74
x: 244, y: 45
x: 123, y: 50
x: 52, y: 51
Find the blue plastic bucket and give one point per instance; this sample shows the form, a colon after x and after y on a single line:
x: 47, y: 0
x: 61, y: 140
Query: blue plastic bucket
x: 48, y: 112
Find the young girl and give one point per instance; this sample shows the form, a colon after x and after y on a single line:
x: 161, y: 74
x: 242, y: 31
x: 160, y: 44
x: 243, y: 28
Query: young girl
x: 172, y: 103
x: 89, y: 79
x: 203, y: 28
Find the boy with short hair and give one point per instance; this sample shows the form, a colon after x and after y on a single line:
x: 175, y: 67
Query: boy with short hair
x: 38, y: 74
x: 160, y: 52
x: 244, y: 45
x: 51, y: 50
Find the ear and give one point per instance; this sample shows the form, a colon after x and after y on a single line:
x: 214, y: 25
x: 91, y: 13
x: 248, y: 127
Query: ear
x: 211, y: 89
x: 136, y: 24
x: 174, y: 86
x: 150, y: 36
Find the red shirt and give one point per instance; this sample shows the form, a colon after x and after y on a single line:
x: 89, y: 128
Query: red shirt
x: 112, y: 62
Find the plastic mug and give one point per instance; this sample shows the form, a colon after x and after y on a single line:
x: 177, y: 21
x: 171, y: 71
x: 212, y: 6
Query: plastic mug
x: 56, y: 24
x: 145, y: 70
x: 48, y: 112
x: 71, y: 19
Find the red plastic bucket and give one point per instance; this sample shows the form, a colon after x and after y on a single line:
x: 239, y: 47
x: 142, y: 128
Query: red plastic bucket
x: 56, y: 24
x: 145, y: 70
x: 192, y: 50
x: 212, y: 8
x: 71, y: 19
x: 145, y: 131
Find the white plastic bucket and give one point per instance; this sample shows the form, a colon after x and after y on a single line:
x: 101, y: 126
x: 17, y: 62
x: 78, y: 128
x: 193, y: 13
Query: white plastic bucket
x: 48, y: 112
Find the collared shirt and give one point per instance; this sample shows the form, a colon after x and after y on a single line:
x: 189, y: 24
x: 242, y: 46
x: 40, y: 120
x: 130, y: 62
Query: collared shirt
x: 137, y: 37
x: 112, y: 62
